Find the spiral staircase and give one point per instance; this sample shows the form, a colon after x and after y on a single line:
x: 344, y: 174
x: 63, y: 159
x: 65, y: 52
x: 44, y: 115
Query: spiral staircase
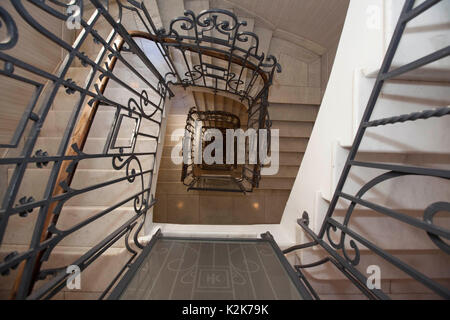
x: 93, y: 167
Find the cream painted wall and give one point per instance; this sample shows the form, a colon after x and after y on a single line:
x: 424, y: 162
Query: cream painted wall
x: 318, y: 21
x: 360, y: 45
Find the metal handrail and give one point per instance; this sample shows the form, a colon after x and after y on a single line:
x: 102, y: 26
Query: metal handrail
x: 338, y: 252
x: 46, y: 234
x: 207, y: 119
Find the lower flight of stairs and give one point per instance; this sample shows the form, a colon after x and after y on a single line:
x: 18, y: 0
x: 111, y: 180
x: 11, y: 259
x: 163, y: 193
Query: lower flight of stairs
x: 415, y: 143
x: 266, y: 203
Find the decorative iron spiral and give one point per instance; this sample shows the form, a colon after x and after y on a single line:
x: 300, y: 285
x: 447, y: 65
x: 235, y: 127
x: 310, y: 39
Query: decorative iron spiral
x: 118, y: 163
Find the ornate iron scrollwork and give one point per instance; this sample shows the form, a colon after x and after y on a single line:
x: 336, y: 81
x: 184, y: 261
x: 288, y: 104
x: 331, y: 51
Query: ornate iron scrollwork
x: 349, y: 238
x: 218, y: 32
x: 11, y: 33
x: 147, y: 103
x: 428, y: 216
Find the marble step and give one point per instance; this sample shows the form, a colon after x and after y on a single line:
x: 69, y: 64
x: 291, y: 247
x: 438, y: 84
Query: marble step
x: 397, y: 289
x: 269, y: 182
x: 289, y: 112
x: 220, y: 208
x: 399, y: 98
x: 295, y: 129
x: 95, y: 278
x: 295, y: 95
x: 33, y: 184
x: 96, y: 146
x: 209, y: 103
x: 285, y: 172
x: 56, y: 122
x: 70, y: 216
x: 433, y: 263
x: 407, y: 192
x: 423, y: 35
x: 199, y: 100
x: 169, y: 175
x: 288, y: 144
x: 290, y: 158
x: 219, y: 103
x: 167, y: 163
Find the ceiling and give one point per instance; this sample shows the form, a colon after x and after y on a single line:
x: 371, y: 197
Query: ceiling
x: 319, y: 21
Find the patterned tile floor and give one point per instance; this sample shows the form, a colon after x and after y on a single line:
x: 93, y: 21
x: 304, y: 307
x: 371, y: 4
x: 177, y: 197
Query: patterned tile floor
x: 211, y: 269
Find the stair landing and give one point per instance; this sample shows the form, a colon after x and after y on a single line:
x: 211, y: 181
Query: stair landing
x: 212, y: 269
x: 265, y: 205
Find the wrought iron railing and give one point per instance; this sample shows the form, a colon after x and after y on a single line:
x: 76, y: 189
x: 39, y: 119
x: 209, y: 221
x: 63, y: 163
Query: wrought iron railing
x: 241, y: 176
x: 199, y: 175
x: 344, y: 253
x: 210, y: 50
x: 51, y: 92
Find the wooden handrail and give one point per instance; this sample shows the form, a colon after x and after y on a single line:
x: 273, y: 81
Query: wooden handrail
x: 214, y: 54
x: 79, y: 137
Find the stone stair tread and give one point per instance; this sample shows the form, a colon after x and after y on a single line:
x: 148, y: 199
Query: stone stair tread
x: 296, y: 129
x: 285, y: 172
x: 267, y: 182
x: 290, y: 144
x: 327, y: 272
x: 398, y: 98
x: 295, y: 95
x: 427, y: 74
x: 289, y: 112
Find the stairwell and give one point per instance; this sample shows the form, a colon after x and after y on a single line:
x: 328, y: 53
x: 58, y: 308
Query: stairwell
x: 313, y: 147
x: 294, y: 102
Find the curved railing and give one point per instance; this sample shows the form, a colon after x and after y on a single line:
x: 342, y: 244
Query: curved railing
x: 46, y: 97
x: 217, y: 34
x: 199, y: 175
x: 238, y: 176
x: 223, y: 58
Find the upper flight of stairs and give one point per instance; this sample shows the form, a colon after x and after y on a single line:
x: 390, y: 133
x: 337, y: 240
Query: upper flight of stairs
x: 294, y: 105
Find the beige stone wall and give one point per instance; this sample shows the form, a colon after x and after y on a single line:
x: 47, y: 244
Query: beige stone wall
x: 300, y: 80
x: 45, y: 55
x: 42, y: 53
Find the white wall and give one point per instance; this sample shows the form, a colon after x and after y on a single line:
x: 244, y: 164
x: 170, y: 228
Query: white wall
x: 361, y: 45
